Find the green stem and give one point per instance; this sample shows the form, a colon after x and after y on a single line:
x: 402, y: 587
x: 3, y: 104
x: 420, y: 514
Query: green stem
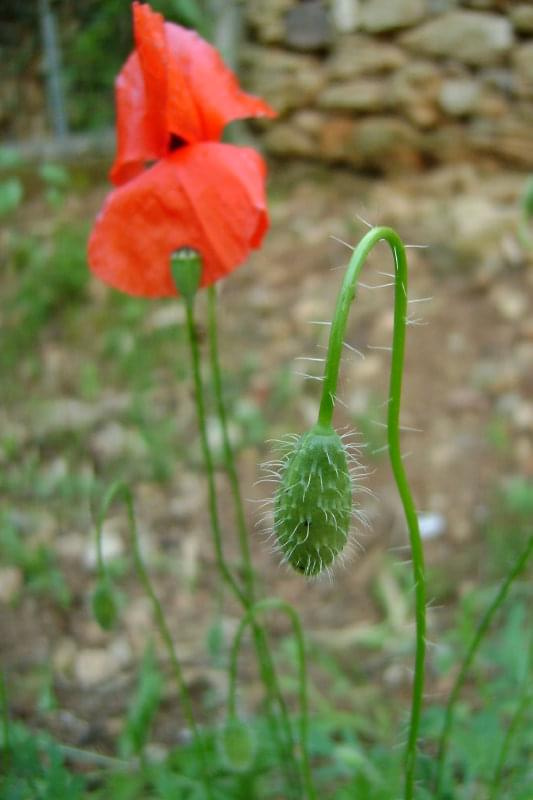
x: 245, y: 598
x: 228, y: 450
x: 327, y: 404
x: 517, y: 568
x: 5, y: 722
x: 121, y: 489
x: 248, y: 619
x: 506, y: 744
x: 208, y: 460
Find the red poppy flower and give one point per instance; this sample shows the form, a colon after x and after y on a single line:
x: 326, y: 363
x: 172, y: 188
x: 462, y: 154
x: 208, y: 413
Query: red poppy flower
x: 177, y: 184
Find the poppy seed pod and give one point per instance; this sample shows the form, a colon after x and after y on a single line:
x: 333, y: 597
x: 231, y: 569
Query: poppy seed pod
x: 313, y: 504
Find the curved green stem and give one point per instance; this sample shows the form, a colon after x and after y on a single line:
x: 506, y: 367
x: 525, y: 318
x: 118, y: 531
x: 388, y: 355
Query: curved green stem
x: 327, y: 404
x: 120, y: 489
x: 486, y: 620
x: 245, y: 598
x: 228, y: 450
x: 279, y: 605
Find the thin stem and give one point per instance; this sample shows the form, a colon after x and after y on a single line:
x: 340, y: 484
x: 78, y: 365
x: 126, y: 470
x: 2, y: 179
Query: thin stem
x: 228, y: 450
x: 506, y: 744
x: 206, y: 452
x: 267, y: 670
x: 482, y: 629
x: 5, y: 722
x: 121, y: 489
x: 327, y: 404
x: 248, y: 619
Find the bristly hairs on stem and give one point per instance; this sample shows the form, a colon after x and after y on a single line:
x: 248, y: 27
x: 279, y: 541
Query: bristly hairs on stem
x: 312, y: 506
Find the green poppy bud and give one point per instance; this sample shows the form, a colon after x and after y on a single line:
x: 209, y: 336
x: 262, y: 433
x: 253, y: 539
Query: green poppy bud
x: 237, y: 745
x: 313, y: 504
x: 104, y: 604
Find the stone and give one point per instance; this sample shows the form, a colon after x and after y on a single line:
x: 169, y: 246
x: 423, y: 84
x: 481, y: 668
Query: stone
x: 93, y: 666
x: 521, y: 16
x: 268, y: 19
x: 523, y: 63
x: 382, y: 15
x: 285, y: 80
x: 510, y: 303
x: 384, y: 143
x: 346, y: 15
x: 114, y: 441
x: 508, y: 138
x: 432, y: 524
x: 475, y: 38
x: 335, y: 138
x: 363, y: 94
x: 360, y: 54
x: 11, y: 580
x: 286, y: 139
x: 476, y: 223
x: 459, y: 97
x: 415, y: 90
x: 307, y: 26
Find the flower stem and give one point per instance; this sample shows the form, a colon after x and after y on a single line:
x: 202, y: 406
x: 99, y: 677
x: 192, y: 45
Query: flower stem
x: 121, y: 489
x: 268, y: 605
x: 523, y: 705
x: 346, y: 296
x: 245, y: 597
x: 208, y: 460
x: 6, y: 730
x: 228, y: 450
x: 517, y: 568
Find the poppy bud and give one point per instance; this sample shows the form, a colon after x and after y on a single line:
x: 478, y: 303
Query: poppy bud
x: 237, y: 745
x: 104, y: 604
x: 313, y: 504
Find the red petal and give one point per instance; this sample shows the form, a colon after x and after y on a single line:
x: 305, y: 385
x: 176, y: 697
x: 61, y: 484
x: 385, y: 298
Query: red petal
x: 174, y: 83
x: 138, y: 139
x: 151, y: 47
x: 208, y: 196
x: 203, y: 94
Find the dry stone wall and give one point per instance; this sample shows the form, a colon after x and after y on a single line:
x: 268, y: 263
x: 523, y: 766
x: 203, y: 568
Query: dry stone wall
x: 394, y: 84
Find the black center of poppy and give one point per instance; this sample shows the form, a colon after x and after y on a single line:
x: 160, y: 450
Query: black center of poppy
x: 175, y: 142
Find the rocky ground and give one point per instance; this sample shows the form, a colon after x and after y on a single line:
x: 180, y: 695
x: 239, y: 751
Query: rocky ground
x: 468, y: 393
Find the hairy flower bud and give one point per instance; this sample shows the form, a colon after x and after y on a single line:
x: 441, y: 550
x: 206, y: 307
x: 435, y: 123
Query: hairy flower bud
x: 313, y: 504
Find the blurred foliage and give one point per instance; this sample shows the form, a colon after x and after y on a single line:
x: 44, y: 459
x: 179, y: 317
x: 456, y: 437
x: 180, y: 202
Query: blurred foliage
x: 11, y: 194
x: 95, y: 39
x: 143, y: 707
x: 50, y: 276
x: 36, y: 561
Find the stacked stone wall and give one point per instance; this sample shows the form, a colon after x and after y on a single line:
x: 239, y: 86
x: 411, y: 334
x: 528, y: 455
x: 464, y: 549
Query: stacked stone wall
x: 394, y: 84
